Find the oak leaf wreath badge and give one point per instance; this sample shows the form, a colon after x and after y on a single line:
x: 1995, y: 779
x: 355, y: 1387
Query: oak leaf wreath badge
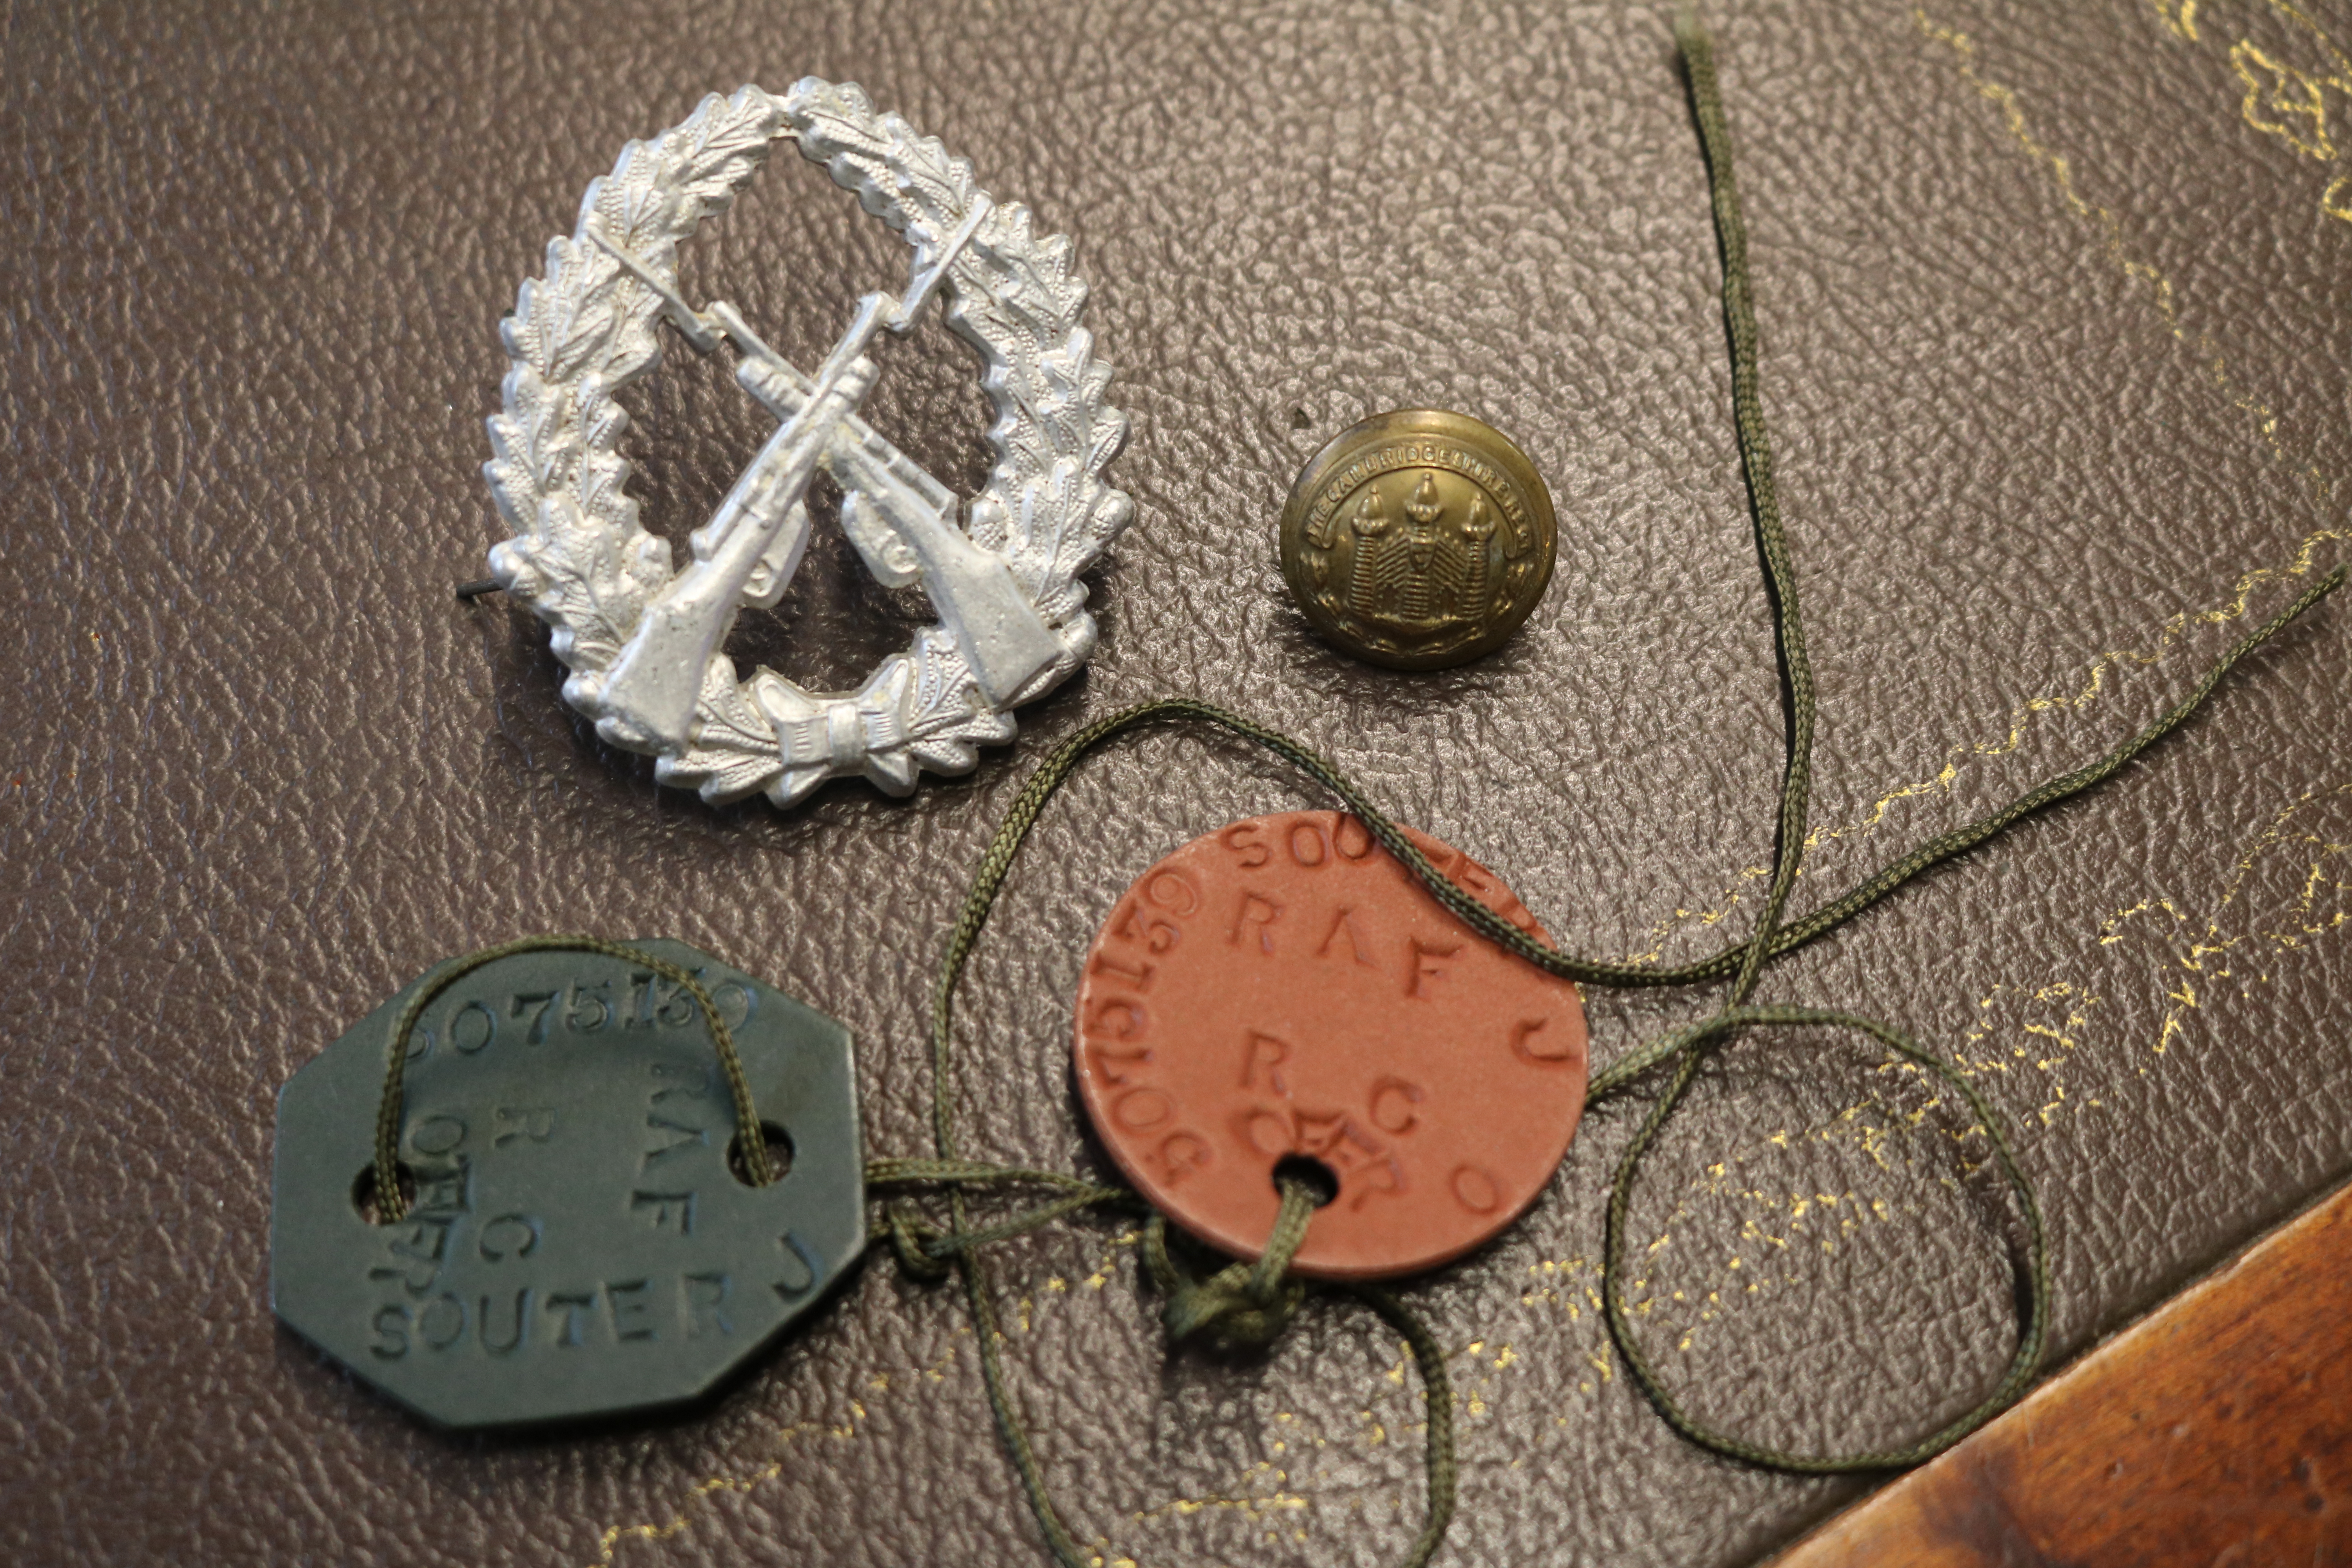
x: 642, y: 638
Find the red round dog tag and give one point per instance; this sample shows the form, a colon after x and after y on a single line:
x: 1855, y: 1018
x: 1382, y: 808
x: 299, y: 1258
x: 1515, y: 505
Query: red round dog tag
x: 1283, y: 992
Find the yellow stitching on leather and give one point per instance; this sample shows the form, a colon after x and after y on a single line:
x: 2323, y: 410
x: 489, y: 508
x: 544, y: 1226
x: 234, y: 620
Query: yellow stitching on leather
x: 1250, y: 1507
x: 1749, y: 1272
x: 2308, y: 922
x: 2024, y: 716
x: 617, y: 1533
x: 2289, y: 94
x: 782, y: 1437
x: 2111, y: 228
x: 2343, y: 75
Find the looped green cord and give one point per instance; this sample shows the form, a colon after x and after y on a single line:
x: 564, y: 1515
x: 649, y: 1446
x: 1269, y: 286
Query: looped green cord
x: 1688, y: 1049
x: 1742, y: 962
x: 1249, y: 1303
x: 392, y: 1204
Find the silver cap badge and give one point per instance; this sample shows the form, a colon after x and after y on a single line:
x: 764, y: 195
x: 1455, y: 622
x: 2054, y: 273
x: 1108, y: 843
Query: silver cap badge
x: 643, y: 641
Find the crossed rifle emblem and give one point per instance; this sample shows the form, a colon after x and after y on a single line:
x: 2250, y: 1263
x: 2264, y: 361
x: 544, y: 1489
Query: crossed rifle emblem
x: 901, y: 520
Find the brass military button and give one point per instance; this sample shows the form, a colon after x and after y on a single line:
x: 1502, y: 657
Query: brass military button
x: 1417, y: 540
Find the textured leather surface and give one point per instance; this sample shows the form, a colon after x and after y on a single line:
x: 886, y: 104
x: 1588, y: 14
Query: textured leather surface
x: 2055, y: 337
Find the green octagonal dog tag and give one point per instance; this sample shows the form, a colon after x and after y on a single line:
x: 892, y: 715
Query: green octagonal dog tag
x: 580, y: 1239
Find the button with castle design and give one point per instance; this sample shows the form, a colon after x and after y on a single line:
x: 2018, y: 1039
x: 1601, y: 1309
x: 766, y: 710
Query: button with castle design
x: 1417, y: 540
x: 1282, y: 996
x: 581, y: 1237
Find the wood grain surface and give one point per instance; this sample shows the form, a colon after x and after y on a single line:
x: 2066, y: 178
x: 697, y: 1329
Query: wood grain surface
x: 2216, y: 1431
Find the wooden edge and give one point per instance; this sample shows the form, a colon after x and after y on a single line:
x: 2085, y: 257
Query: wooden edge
x: 2216, y: 1431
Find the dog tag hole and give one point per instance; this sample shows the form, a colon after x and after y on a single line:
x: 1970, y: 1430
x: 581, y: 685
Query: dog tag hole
x: 1318, y: 1177
x: 363, y: 1193
x: 780, y: 1153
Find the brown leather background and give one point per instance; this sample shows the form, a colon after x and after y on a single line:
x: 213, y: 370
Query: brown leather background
x: 2056, y: 332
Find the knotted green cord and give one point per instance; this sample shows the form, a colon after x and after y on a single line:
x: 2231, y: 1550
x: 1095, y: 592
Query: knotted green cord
x: 925, y: 1250
x: 1242, y: 1305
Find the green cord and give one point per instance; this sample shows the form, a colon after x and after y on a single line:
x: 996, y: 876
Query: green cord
x: 1688, y: 1049
x: 1231, y: 1296
x: 1763, y: 498
x: 392, y: 1204
x: 1251, y: 1304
